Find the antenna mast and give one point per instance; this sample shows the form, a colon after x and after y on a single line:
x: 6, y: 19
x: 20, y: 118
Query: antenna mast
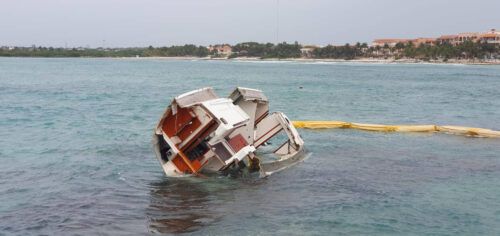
x: 277, y: 21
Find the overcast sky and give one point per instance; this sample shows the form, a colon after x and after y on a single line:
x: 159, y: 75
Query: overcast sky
x: 122, y: 23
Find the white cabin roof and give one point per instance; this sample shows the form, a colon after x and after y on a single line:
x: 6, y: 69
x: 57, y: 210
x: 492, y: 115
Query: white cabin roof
x: 248, y: 94
x: 195, y: 97
x: 224, y: 110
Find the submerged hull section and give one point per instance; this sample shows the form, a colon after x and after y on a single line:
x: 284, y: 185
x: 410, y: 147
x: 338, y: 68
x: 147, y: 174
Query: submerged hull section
x: 200, y: 133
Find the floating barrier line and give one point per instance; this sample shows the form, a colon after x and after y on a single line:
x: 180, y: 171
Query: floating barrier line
x: 456, y: 130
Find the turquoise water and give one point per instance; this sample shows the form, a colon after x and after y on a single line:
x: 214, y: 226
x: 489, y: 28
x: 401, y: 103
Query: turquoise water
x: 75, y: 154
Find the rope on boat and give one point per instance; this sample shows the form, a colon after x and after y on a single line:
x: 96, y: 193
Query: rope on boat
x: 456, y: 130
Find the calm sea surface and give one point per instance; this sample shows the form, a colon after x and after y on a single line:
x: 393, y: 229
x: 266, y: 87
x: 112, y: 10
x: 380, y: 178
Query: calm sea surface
x: 76, y: 158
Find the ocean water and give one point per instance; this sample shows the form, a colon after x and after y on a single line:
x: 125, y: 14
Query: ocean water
x: 76, y: 158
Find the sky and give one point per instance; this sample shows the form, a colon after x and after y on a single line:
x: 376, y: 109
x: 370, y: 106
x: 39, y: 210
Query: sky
x: 129, y: 23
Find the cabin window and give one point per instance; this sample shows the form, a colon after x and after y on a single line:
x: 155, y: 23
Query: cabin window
x: 221, y: 151
x: 165, y: 149
x: 274, y: 143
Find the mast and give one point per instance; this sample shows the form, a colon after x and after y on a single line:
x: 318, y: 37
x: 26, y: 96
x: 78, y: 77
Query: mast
x: 277, y: 20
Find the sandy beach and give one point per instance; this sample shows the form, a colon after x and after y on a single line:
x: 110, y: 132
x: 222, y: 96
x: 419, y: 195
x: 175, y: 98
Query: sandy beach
x: 313, y: 60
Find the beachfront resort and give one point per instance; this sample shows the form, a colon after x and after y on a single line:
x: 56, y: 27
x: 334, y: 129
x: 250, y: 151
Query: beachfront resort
x: 490, y: 37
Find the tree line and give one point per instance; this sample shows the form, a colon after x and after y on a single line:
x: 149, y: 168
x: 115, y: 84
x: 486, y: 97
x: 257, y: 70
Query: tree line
x: 266, y: 50
x: 438, y: 51
x: 173, y: 51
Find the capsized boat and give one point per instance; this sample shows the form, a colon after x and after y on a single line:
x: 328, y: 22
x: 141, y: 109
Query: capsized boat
x: 202, y: 133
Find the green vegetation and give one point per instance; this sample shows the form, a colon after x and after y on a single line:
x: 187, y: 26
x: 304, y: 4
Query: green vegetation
x: 173, y: 51
x: 440, y: 51
x: 176, y: 51
x: 267, y: 50
x: 467, y: 50
x: 284, y: 50
x: 252, y: 49
x: 347, y: 51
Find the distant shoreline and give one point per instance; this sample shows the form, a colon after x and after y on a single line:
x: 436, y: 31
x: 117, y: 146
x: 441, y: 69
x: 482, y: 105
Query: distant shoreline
x: 378, y: 61
x: 325, y: 60
x: 360, y: 60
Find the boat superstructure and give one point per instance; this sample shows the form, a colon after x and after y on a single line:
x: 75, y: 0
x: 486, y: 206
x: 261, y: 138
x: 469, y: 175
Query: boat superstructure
x: 200, y: 132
